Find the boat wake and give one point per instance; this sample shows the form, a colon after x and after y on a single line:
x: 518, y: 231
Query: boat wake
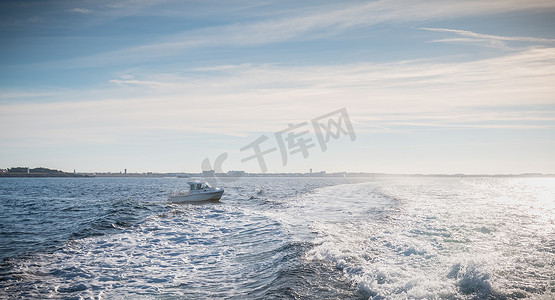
x: 289, y: 238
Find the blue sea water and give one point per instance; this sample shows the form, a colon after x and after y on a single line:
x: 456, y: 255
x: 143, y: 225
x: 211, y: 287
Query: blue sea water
x: 269, y: 238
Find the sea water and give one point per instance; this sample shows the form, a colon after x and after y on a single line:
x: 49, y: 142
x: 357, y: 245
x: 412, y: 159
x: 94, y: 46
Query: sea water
x: 297, y: 238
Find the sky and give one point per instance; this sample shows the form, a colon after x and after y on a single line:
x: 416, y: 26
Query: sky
x: 165, y: 86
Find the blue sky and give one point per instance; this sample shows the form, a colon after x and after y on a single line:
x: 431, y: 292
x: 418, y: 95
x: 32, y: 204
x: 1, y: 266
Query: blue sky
x: 429, y: 86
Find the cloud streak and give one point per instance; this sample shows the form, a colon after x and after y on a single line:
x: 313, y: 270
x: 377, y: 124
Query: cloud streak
x: 495, y: 41
x: 79, y: 10
x: 492, y: 37
x: 242, y: 100
x: 313, y: 24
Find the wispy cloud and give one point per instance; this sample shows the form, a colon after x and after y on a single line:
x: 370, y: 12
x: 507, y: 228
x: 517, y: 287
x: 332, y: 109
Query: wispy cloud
x: 312, y: 23
x: 238, y: 101
x: 496, y: 41
x: 79, y: 10
x: 153, y: 84
x: 492, y: 37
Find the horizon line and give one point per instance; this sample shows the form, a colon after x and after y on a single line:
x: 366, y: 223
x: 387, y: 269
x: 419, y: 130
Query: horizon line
x: 322, y: 173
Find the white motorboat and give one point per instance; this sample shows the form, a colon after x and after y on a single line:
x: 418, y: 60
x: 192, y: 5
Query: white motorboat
x: 198, y: 191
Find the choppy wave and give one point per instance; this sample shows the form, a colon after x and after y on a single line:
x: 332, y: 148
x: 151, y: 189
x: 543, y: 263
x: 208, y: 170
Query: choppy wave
x: 422, y: 239
x: 125, y: 241
x: 281, y: 238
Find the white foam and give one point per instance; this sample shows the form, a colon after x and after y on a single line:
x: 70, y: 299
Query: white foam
x: 186, y: 251
x: 423, y: 239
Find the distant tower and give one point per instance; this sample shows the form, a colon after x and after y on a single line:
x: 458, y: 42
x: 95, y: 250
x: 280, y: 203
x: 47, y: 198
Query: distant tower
x: 310, y: 170
x: 125, y: 171
x: 28, y: 171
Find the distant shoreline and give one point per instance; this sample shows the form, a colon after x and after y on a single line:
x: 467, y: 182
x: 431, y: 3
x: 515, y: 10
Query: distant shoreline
x: 68, y: 175
x: 45, y: 172
x: 307, y: 175
x: 293, y: 175
x: 37, y: 172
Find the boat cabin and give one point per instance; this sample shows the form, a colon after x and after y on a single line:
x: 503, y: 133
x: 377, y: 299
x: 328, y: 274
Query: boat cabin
x: 198, y: 185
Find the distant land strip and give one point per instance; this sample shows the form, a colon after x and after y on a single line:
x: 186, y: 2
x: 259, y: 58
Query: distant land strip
x: 36, y: 172
x: 45, y: 172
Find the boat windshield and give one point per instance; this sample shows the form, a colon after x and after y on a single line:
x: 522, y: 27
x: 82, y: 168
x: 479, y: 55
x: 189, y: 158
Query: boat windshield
x: 199, y: 186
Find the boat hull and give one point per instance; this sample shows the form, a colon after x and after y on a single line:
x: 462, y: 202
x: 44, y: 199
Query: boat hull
x: 197, y: 197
